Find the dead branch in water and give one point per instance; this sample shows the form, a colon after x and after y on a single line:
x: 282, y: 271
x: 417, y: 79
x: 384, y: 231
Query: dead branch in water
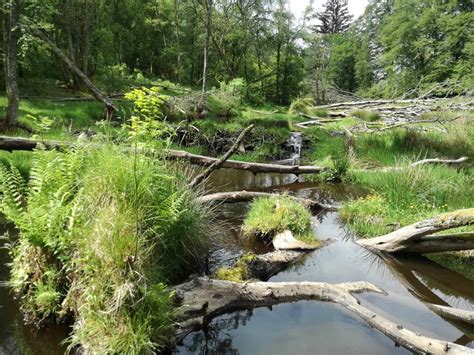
x: 420, y: 238
x: 246, y: 196
x: 203, y: 299
x: 217, y: 164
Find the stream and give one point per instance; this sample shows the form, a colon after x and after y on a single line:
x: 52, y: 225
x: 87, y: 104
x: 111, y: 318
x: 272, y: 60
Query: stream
x: 302, y: 327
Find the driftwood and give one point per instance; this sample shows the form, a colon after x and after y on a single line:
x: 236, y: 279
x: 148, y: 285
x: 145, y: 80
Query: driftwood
x: 410, y: 269
x: 17, y: 143
x: 427, y: 162
x: 240, y: 165
x: 286, y: 241
x: 264, y: 266
x: 245, y: 196
x: 203, y: 299
x: 453, y: 313
x: 419, y: 237
x: 217, y: 164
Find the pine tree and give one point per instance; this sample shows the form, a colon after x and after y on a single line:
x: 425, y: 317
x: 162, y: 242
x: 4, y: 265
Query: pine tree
x: 335, y: 17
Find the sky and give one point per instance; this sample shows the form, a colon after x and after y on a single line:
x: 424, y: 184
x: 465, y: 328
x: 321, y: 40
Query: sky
x: 356, y: 7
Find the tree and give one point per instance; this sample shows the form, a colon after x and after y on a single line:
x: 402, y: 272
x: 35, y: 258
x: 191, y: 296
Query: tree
x: 335, y: 17
x: 11, y: 35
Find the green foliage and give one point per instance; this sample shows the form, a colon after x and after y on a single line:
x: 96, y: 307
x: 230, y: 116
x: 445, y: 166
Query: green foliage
x: 301, y: 105
x: 270, y: 216
x: 405, y: 196
x: 85, y: 210
x: 147, y: 124
x: 368, y: 116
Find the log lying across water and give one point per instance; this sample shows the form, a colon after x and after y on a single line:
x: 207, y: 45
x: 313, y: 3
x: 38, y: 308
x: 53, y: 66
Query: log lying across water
x: 203, y: 299
x: 420, y: 237
x: 245, y: 196
x: 17, y: 143
x: 240, y: 165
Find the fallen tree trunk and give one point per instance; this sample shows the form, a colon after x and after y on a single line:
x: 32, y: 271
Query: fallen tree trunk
x: 264, y: 266
x: 363, y: 104
x: 245, y: 196
x: 203, y: 299
x: 240, y: 165
x: 17, y: 143
x: 111, y: 108
x: 419, y: 237
x: 453, y: 313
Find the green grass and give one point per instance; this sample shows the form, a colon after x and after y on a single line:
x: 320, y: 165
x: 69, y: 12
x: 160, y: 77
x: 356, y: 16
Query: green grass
x: 269, y: 216
x: 402, y: 197
x: 237, y: 273
x: 101, y: 233
x: 368, y: 116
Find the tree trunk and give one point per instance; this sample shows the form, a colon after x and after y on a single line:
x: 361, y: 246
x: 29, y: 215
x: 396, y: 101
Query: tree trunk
x: 111, y: 109
x: 11, y: 35
x: 202, y: 299
x: 419, y: 237
x: 178, y: 44
x: 209, y: 6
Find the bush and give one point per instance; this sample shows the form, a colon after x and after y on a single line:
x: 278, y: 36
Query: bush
x: 269, y: 216
x: 301, y: 105
x: 100, y: 234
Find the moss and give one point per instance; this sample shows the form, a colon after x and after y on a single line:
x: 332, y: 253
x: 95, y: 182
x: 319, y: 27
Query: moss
x: 269, y: 216
x: 239, y: 272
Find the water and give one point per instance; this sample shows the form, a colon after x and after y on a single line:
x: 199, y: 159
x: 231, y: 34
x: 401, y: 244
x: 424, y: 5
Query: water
x: 294, y: 145
x: 313, y: 327
x: 302, y: 327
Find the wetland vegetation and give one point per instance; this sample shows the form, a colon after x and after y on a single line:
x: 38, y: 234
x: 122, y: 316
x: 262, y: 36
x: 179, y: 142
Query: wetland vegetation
x: 308, y: 132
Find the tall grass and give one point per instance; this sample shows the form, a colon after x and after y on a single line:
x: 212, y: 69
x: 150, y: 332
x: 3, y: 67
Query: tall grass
x: 101, y: 235
x: 401, y: 197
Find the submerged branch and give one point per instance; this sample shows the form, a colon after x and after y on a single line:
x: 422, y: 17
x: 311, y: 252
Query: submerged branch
x: 245, y: 196
x: 218, y: 163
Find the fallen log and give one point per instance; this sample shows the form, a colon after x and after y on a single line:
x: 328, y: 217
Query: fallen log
x: 264, y: 266
x: 362, y: 104
x: 441, y: 161
x: 414, y: 272
x: 240, y: 165
x: 419, y: 237
x: 218, y: 163
x: 245, y: 196
x: 99, y: 95
x: 453, y: 313
x: 202, y: 299
x: 17, y: 143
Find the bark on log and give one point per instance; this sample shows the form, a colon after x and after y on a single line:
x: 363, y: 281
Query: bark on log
x: 245, y: 196
x: 111, y: 108
x: 453, y: 313
x: 410, y: 238
x: 240, y: 165
x: 264, y: 266
x: 16, y: 143
x: 217, y: 164
x: 202, y: 299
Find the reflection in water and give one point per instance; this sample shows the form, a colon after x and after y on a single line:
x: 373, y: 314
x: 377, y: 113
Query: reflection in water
x: 410, y: 282
x: 302, y: 327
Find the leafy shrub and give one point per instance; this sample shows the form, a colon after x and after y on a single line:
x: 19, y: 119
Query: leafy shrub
x: 301, y: 105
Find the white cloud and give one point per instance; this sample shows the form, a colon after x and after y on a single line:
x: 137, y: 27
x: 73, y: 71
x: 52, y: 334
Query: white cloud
x: 356, y: 7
